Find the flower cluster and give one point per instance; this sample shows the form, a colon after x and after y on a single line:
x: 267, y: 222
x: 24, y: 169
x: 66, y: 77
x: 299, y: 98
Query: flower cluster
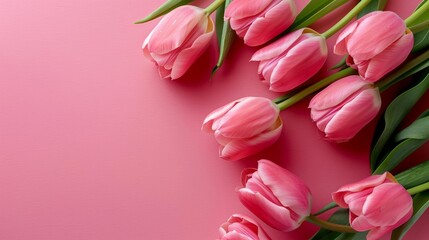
x: 289, y: 54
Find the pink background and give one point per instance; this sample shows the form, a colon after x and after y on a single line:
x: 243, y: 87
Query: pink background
x: 94, y: 145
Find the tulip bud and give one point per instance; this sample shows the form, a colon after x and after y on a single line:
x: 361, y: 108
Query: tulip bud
x: 259, y: 21
x: 178, y: 40
x: 343, y: 108
x: 275, y: 195
x: 293, y: 59
x: 240, y: 227
x: 244, y: 127
x: 377, y: 203
x: 376, y: 44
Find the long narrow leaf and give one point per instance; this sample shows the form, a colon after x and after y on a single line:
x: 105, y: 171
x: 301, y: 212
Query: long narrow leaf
x: 327, y: 7
x: 163, y: 9
x: 393, y: 115
x: 399, y: 153
x: 420, y: 205
x: 225, y: 35
x: 414, y: 176
x: 421, y: 40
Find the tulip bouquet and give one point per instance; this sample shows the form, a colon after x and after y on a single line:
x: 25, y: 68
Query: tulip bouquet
x: 379, y: 49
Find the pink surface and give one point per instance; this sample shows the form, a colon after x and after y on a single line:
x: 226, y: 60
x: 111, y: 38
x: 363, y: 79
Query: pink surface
x: 94, y: 145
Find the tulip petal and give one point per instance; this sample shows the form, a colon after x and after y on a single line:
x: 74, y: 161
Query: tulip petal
x: 242, y: 9
x: 234, y: 235
x: 278, y: 47
x: 274, y: 215
x: 255, y: 184
x: 374, y: 34
x: 387, y: 205
x: 354, y: 115
x: 389, y: 59
x: 368, y: 182
x: 378, y: 233
x: 243, y: 230
x: 174, y: 28
x: 340, y: 47
x: 208, y: 125
x: 337, y: 92
x: 276, y: 20
x: 360, y: 224
x: 249, y: 118
x: 288, y: 188
x: 299, y: 65
x: 356, y: 200
x: 188, y: 56
x: 241, y: 148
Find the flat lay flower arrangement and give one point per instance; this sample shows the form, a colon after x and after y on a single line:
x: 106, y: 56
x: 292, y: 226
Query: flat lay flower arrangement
x: 379, y: 49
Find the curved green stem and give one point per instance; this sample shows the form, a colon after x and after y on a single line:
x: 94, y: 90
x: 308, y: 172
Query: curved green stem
x: 418, y: 189
x: 346, y: 19
x: 313, y: 88
x: 419, y: 27
x: 411, y: 20
x: 213, y: 6
x: 394, y: 77
x: 330, y: 226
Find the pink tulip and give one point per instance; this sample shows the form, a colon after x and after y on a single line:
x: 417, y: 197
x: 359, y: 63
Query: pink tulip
x: 259, y: 21
x: 343, y: 108
x: 244, y: 127
x: 293, y: 59
x: 377, y: 203
x: 275, y: 195
x: 240, y: 227
x: 178, y: 40
x: 376, y: 44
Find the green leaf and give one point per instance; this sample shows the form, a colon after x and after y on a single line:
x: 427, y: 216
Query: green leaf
x: 411, y: 138
x: 163, y: 9
x: 341, y: 216
x: 224, y: 34
x: 314, y: 10
x: 420, y: 205
x: 419, y: 129
x: 393, y: 115
x: 421, y: 40
x: 399, y: 153
x: 375, y: 5
x: 414, y: 176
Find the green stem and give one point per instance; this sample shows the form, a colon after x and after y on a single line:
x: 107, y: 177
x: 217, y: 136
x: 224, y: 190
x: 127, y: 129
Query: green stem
x: 328, y: 207
x: 423, y: 9
x: 313, y: 88
x: 394, y: 77
x: 212, y: 7
x: 346, y: 19
x: 419, y: 27
x: 328, y: 225
x: 332, y: 6
x: 418, y: 189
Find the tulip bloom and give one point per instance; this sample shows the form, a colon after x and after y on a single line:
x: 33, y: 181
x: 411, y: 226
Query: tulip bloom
x: 275, y: 195
x: 290, y: 61
x: 377, y: 203
x: 343, y: 108
x: 178, y: 40
x: 376, y: 44
x: 259, y: 21
x: 244, y: 127
x: 240, y: 227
